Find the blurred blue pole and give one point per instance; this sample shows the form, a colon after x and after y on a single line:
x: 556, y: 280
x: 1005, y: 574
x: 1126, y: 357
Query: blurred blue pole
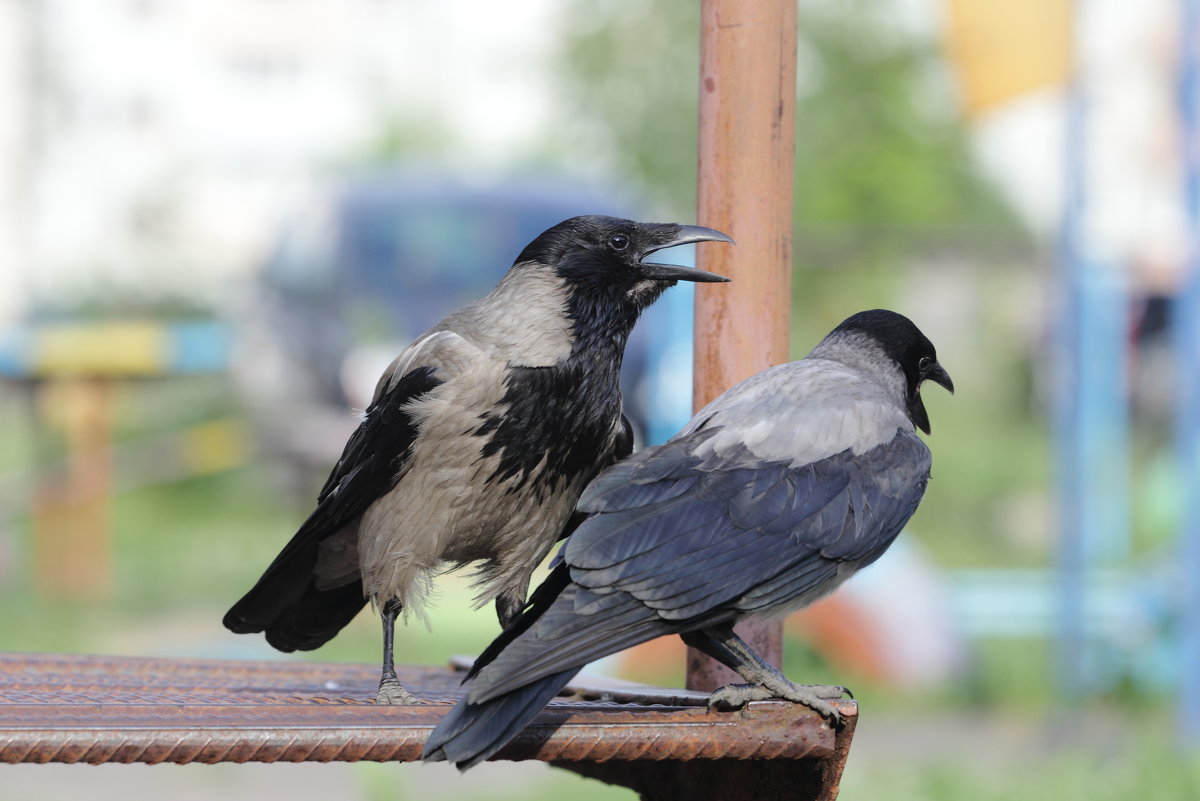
x: 1065, y: 371
x: 1091, y: 413
x: 1186, y: 324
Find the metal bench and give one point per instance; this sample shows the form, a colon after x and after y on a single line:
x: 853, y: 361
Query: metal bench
x: 662, y: 743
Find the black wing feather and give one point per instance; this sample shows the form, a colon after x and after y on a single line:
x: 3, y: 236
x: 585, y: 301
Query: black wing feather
x: 470, y: 733
x: 285, y: 602
x: 621, y: 449
x: 740, y: 518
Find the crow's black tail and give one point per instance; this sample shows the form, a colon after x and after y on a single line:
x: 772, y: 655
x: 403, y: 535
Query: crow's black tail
x: 471, y: 733
x: 309, y: 622
x: 288, y: 607
x: 300, y: 623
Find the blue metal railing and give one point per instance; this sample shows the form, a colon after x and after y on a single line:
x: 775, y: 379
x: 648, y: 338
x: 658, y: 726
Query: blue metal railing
x: 1186, y: 322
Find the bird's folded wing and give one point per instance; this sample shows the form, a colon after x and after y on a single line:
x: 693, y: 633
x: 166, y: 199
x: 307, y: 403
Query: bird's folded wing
x: 388, y: 430
x: 377, y: 452
x: 370, y: 465
x: 685, y: 540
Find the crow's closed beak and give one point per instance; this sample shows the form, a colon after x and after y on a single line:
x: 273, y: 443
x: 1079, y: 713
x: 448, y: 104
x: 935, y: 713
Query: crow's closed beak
x: 686, y: 235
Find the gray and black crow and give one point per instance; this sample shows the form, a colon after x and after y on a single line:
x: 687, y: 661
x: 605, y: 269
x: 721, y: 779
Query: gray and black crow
x: 480, y: 437
x: 773, y: 495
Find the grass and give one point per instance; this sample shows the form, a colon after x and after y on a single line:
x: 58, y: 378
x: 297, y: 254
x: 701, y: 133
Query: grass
x: 1141, y: 763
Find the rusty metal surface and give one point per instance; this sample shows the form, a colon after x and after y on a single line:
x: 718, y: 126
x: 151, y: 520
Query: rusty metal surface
x: 56, y: 708
x: 747, y: 147
x: 721, y: 779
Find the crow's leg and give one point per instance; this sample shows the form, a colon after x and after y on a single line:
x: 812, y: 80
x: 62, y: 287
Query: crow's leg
x: 510, y: 604
x: 390, y: 689
x: 723, y: 645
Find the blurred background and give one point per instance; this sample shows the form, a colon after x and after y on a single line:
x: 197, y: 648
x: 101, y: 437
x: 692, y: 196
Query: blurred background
x: 219, y: 220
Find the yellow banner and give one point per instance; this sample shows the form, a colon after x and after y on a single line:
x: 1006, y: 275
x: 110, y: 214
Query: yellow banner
x: 101, y: 349
x: 1004, y: 48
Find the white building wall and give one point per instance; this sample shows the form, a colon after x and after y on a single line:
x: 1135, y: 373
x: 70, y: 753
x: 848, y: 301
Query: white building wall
x: 14, y: 144
x: 173, y: 134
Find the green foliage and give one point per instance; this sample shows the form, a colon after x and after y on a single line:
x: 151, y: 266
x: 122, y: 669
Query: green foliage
x: 628, y: 85
x: 879, y: 146
x: 878, y: 135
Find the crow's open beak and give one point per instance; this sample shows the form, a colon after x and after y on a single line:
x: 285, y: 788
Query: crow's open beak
x: 916, y: 407
x: 686, y: 235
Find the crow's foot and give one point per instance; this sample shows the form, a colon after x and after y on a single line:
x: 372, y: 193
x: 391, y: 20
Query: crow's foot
x: 392, y: 692
x: 814, y: 696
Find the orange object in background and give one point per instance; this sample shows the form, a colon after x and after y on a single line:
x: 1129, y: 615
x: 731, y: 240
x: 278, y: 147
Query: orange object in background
x: 844, y: 633
x: 836, y: 627
x: 891, y: 625
x: 72, y: 513
x: 1003, y: 48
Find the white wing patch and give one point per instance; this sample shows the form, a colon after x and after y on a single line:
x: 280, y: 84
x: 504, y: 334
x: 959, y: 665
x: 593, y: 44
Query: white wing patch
x: 445, y: 351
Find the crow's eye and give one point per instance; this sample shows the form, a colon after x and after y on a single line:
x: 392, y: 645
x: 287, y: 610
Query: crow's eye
x: 618, y: 242
x: 924, y: 364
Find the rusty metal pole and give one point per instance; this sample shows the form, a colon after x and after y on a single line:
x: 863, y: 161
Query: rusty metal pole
x: 747, y: 154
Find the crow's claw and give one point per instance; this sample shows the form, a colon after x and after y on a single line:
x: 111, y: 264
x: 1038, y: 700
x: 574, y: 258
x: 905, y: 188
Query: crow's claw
x: 392, y: 692
x: 814, y: 696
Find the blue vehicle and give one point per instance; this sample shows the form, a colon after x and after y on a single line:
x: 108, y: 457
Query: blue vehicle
x: 381, y: 259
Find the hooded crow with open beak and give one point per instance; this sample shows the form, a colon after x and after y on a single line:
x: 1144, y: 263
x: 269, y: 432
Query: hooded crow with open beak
x: 478, y: 442
x: 772, y: 496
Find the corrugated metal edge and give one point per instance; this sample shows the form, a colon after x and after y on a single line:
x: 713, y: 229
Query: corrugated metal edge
x: 114, y: 709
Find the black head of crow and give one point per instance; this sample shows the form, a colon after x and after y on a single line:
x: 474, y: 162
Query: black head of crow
x: 602, y: 261
x: 478, y: 441
x: 773, y: 495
